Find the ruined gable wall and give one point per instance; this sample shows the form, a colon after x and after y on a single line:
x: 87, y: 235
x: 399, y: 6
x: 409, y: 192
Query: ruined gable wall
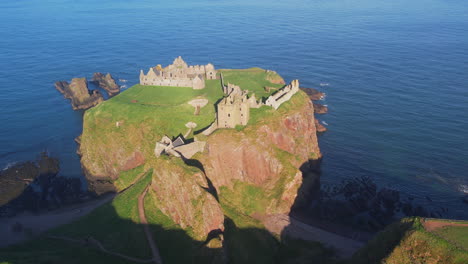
x: 283, y: 95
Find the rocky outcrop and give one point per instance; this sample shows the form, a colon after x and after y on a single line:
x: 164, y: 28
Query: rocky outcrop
x: 183, y: 195
x: 77, y: 91
x: 320, y: 128
x: 313, y: 94
x: 15, y: 179
x: 35, y: 186
x: 320, y: 109
x: 361, y: 203
x: 106, y: 82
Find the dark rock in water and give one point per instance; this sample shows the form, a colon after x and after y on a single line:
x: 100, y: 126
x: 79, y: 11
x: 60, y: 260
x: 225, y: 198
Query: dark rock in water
x: 313, y: 94
x: 106, y: 82
x: 320, y: 109
x: 14, y: 180
x: 465, y: 199
x: 320, y: 128
x: 35, y: 186
x: 81, y: 97
x: 360, y: 203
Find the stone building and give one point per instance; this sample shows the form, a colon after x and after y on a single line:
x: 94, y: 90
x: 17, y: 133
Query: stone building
x: 178, y: 147
x: 283, y: 95
x: 233, y: 110
x: 180, y: 74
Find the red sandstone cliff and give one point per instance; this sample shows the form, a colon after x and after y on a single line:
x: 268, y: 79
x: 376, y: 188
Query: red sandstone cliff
x: 268, y: 155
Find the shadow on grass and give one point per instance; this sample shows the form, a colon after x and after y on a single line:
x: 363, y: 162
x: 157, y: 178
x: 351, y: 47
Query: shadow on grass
x: 116, y: 226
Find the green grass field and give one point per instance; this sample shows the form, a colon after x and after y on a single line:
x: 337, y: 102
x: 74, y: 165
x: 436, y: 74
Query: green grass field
x: 165, y: 110
x: 457, y: 235
x: 252, y: 79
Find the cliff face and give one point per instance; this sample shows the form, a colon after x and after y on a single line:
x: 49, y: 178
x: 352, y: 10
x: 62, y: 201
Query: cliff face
x: 267, y: 155
x: 183, y: 194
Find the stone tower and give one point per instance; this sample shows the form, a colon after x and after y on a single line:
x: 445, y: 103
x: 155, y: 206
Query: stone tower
x: 233, y: 110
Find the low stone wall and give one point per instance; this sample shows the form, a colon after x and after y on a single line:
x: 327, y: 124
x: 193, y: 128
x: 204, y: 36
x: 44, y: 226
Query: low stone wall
x: 211, y: 128
x: 188, y: 150
x: 283, y: 95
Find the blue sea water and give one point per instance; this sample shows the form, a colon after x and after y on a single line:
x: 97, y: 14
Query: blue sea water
x: 395, y: 74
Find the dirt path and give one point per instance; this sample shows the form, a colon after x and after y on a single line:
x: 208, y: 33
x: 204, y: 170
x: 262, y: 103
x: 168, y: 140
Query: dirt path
x: 35, y: 224
x: 144, y: 222
x: 285, y: 225
x: 433, y: 224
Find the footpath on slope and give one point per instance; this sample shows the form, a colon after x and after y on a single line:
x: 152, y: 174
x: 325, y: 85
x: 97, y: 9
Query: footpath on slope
x: 36, y: 224
x: 90, y: 241
x: 283, y: 224
x: 144, y: 222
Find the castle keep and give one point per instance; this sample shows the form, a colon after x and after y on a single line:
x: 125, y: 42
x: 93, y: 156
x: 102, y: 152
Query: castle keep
x: 233, y: 110
x: 180, y: 74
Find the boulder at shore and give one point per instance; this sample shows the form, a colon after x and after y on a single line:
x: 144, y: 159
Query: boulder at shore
x: 106, y: 82
x: 77, y: 91
x: 320, y: 128
x: 320, y: 109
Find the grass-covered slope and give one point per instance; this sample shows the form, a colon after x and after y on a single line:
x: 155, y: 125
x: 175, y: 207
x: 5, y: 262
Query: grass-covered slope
x: 120, y: 133
x: 408, y: 241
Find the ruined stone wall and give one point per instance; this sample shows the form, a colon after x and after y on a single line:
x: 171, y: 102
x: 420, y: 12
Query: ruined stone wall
x: 188, y: 150
x: 211, y: 128
x: 179, y: 74
x: 283, y: 95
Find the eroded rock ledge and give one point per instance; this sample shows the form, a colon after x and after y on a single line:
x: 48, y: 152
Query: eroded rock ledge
x: 81, y: 97
x: 106, y: 82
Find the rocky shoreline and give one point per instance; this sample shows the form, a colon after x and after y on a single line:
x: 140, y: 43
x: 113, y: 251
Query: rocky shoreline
x: 316, y: 95
x: 361, y: 204
x: 36, y: 186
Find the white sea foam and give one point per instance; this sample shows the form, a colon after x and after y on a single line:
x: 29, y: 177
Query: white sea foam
x: 325, y: 123
x: 123, y: 86
x: 463, y: 188
x: 122, y: 80
x: 324, y: 84
x: 9, y: 165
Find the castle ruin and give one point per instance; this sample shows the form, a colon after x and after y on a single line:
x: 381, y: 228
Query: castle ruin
x: 178, y: 147
x: 233, y: 110
x: 179, y: 74
x: 283, y: 95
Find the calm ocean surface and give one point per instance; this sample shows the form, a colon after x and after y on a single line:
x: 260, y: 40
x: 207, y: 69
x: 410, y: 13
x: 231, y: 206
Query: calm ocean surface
x: 397, y: 75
